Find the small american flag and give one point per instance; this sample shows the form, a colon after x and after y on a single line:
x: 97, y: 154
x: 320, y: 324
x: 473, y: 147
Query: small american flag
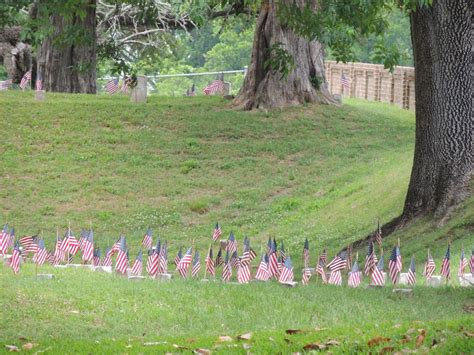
x: 306, y: 276
x: 108, y: 258
x: 178, y: 257
x: 39, y: 83
x: 355, y: 276
x: 51, y: 258
x: 42, y: 254
x: 273, y: 261
x: 370, y: 259
x: 121, y: 263
x: 217, y: 232
x: 269, y: 245
x: 231, y: 244
x: 81, y: 238
x: 59, y: 254
x: 147, y: 239
x: 210, y: 269
x: 411, y: 276
x: 324, y: 257
x: 286, y: 274
x: 282, y: 252
x: 11, y: 240
x: 243, y: 273
x: 27, y: 243
x: 335, y: 278
x: 395, y: 264
x: 184, y: 263
x: 96, y: 258
x: 4, y: 240
x: 217, y: 86
x: 349, y: 256
x: 219, y: 258
x: 378, y: 234
x: 70, y: 244
x: 15, y: 259
x: 115, y: 248
x: 153, y: 260
x: 137, y: 265
x: 163, y: 259
x: 263, y: 273
x: 227, y: 270
x: 234, y: 260
x: 320, y: 269
x: 463, y: 264
x: 112, y: 86
x: 430, y: 266
x: 88, y: 246
x: 6, y: 84
x: 339, y: 262
x: 25, y: 80
x: 446, y: 265
x: 377, y: 274
x: 345, y: 81
x: 196, y: 265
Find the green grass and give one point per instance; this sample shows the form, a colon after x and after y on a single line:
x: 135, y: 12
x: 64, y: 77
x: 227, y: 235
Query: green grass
x: 179, y: 165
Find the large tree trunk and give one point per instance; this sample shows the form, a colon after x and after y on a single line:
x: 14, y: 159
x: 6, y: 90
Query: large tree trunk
x: 70, y: 67
x: 263, y: 87
x: 14, y: 54
x: 442, y: 37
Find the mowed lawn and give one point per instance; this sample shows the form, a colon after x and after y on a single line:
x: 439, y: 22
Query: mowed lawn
x: 181, y: 164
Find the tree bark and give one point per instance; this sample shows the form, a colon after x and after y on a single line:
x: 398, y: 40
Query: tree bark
x: 14, y: 54
x: 264, y: 88
x: 70, y: 67
x: 442, y: 37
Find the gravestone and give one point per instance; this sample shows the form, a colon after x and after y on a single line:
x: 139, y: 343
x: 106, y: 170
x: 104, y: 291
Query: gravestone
x: 40, y: 95
x: 139, y: 92
x: 136, y: 278
x: 466, y: 280
x: 107, y: 269
x: 434, y: 281
x: 60, y: 266
x: 163, y: 277
x: 227, y: 88
x: 289, y: 283
x: 403, y: 291
x: 403, y: 279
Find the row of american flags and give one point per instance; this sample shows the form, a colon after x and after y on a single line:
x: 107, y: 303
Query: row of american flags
x: 274, y: 264
x: 25, y: 80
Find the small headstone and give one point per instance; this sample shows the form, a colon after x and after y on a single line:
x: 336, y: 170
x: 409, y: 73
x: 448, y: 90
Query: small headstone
x: 107, y: 269
x: 289, y: 283
x: 45, y: 276
x: 403, y: 291
x: 163, y: 277
x: 139, y: 92
x: 403, y: 279
x: 40, y: 95
x: 434, y: 281
x: 227, y: 88
x: 136, y: 278
x: 60, y: 266
x: 466, y: 280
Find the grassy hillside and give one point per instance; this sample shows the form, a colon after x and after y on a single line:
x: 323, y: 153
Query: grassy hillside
x: 180, y: 165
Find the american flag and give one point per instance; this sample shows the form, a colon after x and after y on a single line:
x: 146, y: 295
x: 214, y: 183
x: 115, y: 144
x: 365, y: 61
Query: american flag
x: 70, y: 244
x: 355, y: 276
x: 42, y: 254
x: 210, y: 269
x: 112, y: 86
x: 196, y: 265
x: 217, y: 86
x: 178, y: 257
x: 286, y: 274
x: 216, y: 234
x: 251, y: 253
x: 219, y: 258
x: 28, y: 244
x: 121, y: 263
x: 339, y: 262
x: 4, y: 240
x: 269, y: 245
x: 320, y: 269
x: 147, y: 239
x: 15, y: 259
x: 324, y: 257
x: 25, y: 80
x: 377, y: 274
x: 282, y: 252
x: 306, y: 276
x: 138, y: 265
x: 234, y: 260
x: 153, y: 260
x: 163, y: 259
x: 96, y: 258
x: 463, y: 263
x: 184, y: 263
x: 243, y: 273
x: 51, y: 258
x: 39, y: 83
x: 11, y: 240
x: 335, y: 278
x: 345, y: 81
x: 246, y: 254
x: 88, y: 246
x: 59, y: 254
x: 370, y: 259
x: 446, y: 265
x: 395, y: 264
x: 263, y: 273
x: 115, y: 248
x: 349, y: 257
x: 430, y: 266
x: 378, y: 234
x: 273, y: 261
x: 227, y: 270
x: 231, y: 246
x: 108, y: 258
x: 82, y: 237
x: 411, y: 276
x: 4, y: 85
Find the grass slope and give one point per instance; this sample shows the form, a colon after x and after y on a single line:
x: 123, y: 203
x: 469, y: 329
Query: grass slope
x: 180, y: 165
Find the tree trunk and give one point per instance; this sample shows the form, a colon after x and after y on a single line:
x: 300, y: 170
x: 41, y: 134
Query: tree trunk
x: 70, y: 67
x: 442, y: 37
x: 264, y: 88
x: 14, y: 55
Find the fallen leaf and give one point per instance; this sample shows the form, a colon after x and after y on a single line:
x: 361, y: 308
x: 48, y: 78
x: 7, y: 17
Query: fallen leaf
x: 27, y: 346
x: 468, y: 334
x: 245, y: 336
x: 202, y: 351
x: 332, y: 342
x: 293, y: 331
x: 387, y: 349
x: 314, y: 346
x: 377, y: 340
x: 406, y: 339
x: 12, y: 348
x: 419, y: 340
x: 225, y: 338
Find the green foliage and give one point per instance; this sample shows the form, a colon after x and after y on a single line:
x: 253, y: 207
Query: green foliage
x: 279, y: 60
